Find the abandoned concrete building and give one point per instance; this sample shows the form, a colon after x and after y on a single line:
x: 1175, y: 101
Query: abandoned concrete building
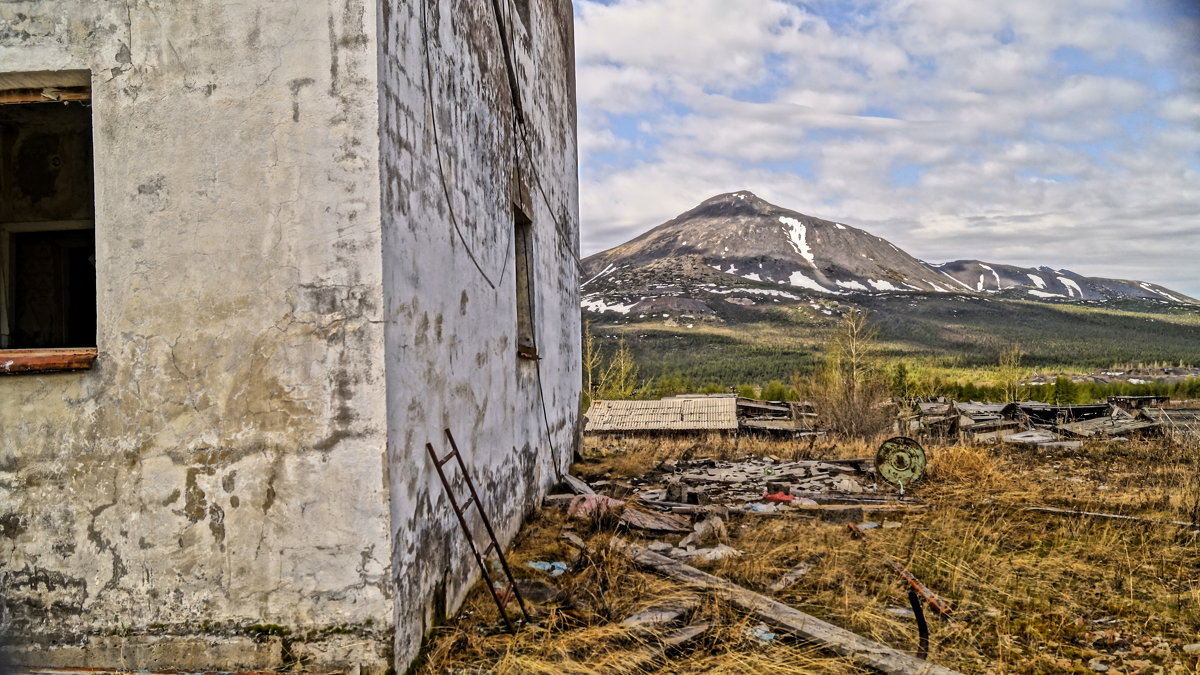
x: 253, y: 257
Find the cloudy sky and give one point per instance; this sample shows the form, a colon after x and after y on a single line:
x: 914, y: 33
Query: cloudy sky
x: 1028, y: 132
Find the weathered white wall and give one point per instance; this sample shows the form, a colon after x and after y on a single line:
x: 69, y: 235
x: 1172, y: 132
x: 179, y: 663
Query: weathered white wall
x: 451, y: 335
x: 223, y: 464
x: 286, y: 317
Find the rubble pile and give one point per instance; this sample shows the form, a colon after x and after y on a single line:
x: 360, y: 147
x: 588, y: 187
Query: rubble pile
x: 752, y: 480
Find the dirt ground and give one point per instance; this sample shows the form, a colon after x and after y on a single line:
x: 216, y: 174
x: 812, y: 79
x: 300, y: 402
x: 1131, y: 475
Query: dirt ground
x: 1031, y: 592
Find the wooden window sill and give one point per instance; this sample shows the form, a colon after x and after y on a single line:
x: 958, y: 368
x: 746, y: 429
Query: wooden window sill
x: 22, y: 361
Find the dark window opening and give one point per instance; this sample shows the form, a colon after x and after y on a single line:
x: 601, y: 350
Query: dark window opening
x: 523, y: 240
x: 47, y: 221
x: 54, y: 289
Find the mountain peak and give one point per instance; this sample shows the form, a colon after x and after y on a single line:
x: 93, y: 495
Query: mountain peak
x: 742, y: 235
x: 742, y: 195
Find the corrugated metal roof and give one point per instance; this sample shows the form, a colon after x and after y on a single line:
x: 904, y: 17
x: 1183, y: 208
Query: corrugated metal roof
x: 672, y: 414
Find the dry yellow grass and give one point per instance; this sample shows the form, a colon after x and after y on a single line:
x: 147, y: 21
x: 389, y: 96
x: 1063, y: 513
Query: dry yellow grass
x: 1033, y: 592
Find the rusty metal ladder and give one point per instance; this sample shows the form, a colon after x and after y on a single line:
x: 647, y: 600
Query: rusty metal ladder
x: 494, y: 547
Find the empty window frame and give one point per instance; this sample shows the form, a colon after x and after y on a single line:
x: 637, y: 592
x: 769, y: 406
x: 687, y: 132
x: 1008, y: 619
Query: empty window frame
x: 47, y: 224
x: 524, y: 281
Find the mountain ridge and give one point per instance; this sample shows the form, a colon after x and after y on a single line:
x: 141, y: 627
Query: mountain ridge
x: 741, y: 236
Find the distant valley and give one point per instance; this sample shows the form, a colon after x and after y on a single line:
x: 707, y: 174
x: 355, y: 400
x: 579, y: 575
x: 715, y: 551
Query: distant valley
x: 738, y: 289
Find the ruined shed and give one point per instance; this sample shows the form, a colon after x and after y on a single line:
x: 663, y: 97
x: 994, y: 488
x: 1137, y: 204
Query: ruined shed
x: 253, y: 257
x: 1178, y: 422
x: 669, y: 414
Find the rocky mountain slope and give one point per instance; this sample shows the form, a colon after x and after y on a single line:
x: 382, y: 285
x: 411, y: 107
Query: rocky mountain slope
x: 737, y: 243
x: 1044, y: 283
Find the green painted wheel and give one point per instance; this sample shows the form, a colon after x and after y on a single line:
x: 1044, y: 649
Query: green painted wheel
x: 900, y: 461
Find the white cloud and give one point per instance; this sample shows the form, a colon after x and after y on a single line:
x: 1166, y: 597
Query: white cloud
x: 1025, y: 132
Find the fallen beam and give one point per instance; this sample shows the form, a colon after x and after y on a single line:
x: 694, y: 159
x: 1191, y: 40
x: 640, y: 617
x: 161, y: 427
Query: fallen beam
x: 851, y: 645
x: 1110, y: 516
x: 577, y: 486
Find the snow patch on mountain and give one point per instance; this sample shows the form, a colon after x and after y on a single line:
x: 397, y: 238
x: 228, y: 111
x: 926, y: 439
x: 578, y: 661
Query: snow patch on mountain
x: 800, y: 281
x: 758, y: 291
x: 1158, y: 292
x: 1072, y: 287
x: 607, y: 270
x: 798, y: 236
x: 999, y: 286
x: 597, y: 304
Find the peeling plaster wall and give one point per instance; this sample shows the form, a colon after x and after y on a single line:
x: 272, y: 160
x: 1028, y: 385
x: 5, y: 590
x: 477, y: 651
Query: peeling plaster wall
x: 287, y: 314
x: 225, y: 461
x: 451, y: 323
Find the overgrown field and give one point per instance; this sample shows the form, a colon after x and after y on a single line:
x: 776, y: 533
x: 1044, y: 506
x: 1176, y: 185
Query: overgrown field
x: 1032, y: 592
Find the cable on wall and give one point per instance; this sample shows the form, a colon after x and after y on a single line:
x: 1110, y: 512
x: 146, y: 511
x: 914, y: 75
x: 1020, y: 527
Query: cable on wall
x: 441, y: 167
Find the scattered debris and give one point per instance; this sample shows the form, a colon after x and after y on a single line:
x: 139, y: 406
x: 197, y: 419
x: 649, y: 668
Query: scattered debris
x: 590, y: 506
x: 1107, y: 427
x: 663, y: 614
x: 718, y: 552
x: 793, y: 575
x: 537, y: 592
x: 656, y: 522
x: 1031, y: 438
x: 574, y: 540
x: 921, y: 589
x: 742, y: 484
x: 899, y: 461
x: 577, y: 486
x: 554, y: 569
x: 851, y: 645
x: 762, y: 633
x: 706, y: 531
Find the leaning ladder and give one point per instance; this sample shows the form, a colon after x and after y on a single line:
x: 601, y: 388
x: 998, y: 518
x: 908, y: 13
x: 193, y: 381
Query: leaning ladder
x: 494, y: 547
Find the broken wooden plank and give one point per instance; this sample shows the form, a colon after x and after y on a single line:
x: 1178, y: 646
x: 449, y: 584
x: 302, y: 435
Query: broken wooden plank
x: 558, y: 500
x: 839, y: 640
x: 663, y: 613
x: 1109, y: 516
x: 656, y: 522
x: 574, y: 540
x: 577, y: 486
